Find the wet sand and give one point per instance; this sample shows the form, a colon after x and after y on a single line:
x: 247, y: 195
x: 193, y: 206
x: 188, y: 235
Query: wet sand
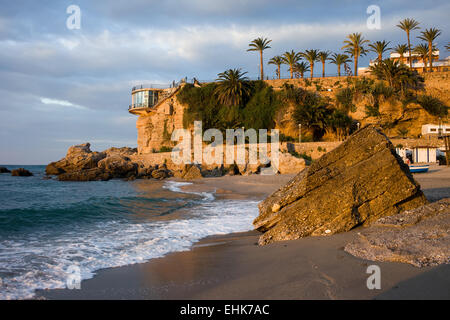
x: 234, y: 267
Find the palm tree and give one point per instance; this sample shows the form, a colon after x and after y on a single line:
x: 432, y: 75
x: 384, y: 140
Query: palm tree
x: 313, y: 115
x: 260, y: 44
x: 311, y: 56
x: 291, y: 58
x: 339, y: 59
x: 301, y: 67
x: 401, y: 49
x: 278, y: 61
x: 430, y: 35
x: 409, y: 25
x: 233, y: 87
x: 355, y: 47
x: 379, y: 47
x: 422, y: 51
x: 323, y: 57
x: 398, y: 75
x: 339, y: 122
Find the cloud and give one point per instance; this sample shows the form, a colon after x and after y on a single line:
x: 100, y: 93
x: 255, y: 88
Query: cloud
x: 46, y: 67
x: 62, y: 103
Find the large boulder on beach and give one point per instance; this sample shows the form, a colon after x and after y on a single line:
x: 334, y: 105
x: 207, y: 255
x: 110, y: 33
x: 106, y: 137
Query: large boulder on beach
x: 191, y: 172
x: 420, y: 237
x: 21, y: 172
x: 355, y: 184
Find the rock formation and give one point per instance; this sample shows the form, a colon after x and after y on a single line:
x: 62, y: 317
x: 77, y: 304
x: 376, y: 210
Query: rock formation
x: 289, y: 164
x: 420, y: 237
x: 21, y: 172
x: 191, y: 172
x: 357, y: 183
x: 78, y: 157
x: 4, y: 170
x: 82, y: 164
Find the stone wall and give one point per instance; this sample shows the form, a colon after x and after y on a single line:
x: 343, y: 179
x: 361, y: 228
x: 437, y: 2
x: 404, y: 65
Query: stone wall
x: 313, y: 149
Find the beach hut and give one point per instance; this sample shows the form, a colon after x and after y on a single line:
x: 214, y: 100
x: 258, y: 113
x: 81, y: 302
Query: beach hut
x: 424, y: 154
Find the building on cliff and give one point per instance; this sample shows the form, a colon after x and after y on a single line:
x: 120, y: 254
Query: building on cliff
x: 417, y: 62
x: 159, y: 113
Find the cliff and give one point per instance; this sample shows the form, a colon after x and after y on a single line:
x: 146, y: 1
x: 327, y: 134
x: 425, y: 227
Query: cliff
x: 155, y: 127
x: 410, y: 116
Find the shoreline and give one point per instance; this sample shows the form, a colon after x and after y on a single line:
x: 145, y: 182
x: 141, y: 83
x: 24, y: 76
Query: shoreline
x: 232, y: 266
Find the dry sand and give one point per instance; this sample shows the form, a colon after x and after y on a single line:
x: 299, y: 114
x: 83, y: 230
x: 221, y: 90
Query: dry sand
x: 234, y: 267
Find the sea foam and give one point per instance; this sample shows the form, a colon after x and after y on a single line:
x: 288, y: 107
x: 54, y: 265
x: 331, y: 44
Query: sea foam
x: 41, y: 259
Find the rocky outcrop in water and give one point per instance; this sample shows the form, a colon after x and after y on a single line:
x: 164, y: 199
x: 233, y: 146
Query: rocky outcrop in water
x: 82, y: 164
x: 357, y: 183
x: 4, y: 170
x: 420, y: 237
x: 78, y: 157
x: 21, y: 172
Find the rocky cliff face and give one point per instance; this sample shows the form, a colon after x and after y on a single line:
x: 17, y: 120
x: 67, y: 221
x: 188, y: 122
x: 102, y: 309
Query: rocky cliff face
x: 410, y: 117
x: 355, y: 184
x: 155, y: 128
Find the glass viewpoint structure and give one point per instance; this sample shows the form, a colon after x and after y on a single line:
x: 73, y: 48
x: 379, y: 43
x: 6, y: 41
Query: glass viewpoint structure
x: 145, y: 98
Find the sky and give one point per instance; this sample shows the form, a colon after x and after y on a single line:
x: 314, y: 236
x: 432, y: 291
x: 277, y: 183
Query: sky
x: 62, y: 86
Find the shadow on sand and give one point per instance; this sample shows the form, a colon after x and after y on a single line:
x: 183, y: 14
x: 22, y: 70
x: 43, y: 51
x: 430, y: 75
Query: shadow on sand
x: 434, y: 284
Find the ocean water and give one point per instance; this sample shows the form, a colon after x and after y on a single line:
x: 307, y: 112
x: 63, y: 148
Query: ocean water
x: 47, y: 227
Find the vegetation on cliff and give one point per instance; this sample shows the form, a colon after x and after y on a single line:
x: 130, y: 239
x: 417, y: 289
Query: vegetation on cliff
x: 254, y: 109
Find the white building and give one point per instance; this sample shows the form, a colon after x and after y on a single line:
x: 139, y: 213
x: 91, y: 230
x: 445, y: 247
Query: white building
x: 435, y: 129
x: 424, y: 154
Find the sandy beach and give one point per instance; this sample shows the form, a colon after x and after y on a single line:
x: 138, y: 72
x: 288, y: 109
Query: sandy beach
x: 233, y: 267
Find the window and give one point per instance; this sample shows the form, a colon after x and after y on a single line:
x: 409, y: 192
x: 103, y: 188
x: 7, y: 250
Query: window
x: 432, y: 129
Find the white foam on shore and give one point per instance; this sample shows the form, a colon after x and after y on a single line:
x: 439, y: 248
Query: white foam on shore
x: 42, y: 260
x: 176, y: 186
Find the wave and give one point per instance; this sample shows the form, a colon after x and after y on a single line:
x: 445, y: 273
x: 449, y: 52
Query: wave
x: 41, y: 258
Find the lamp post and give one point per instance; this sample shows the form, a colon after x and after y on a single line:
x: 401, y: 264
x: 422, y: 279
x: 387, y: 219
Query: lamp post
x: 300, y: 133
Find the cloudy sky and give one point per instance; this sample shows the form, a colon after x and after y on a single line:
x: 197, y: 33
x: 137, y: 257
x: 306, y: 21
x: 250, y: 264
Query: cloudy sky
x: 60, y: 87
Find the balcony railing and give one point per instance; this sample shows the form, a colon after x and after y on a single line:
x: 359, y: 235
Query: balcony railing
x: 158, y: 86
x: 139, y: 106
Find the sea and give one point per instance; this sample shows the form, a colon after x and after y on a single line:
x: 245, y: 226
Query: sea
x: 50, y: 228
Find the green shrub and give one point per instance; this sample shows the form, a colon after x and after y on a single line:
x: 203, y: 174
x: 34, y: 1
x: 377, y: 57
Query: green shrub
x: 285, y: 138
x: 165, y: 149
x: 381, y: 90
x: 362, y: 85
x: 432, y: 105
x: 303, y: 155
x: 258, y: 111
x: 344, y: 100
x: 372, y: 111
x: 403, y: 132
